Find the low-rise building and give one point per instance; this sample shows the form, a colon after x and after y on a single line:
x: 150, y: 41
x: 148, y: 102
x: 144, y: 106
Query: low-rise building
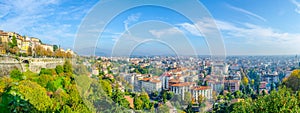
x: 4, y: 37
x: 25, y: 46
x: 270, y: 78
x: 181, y: 88
x: 36, y: 40
x: 95, y: 71
x: 2, y: 50
x: 231, y: 85
x: 47, y: 47
x: 151, y: 85
x: 205, y: 91
x: 262, y: 86
x: 165, y: 80
x: 129, y: 78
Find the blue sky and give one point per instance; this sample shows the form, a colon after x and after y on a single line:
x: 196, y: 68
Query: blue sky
x: 248, y: 27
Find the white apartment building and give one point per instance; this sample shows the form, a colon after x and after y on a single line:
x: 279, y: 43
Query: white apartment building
x: 181, y: 88
x: 151, y: 85
x: 205, y: 91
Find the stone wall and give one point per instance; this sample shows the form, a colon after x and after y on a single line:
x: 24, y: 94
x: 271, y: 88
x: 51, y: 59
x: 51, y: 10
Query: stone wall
x: 26, y: 63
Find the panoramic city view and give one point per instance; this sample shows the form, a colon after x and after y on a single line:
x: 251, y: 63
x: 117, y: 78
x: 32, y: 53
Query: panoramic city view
x: 157, y: 56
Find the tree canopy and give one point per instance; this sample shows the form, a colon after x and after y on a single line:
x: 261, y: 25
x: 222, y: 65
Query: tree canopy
x: 293, y: 81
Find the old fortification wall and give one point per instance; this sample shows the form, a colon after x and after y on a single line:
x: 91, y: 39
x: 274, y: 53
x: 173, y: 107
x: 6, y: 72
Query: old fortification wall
x: 26, y: 63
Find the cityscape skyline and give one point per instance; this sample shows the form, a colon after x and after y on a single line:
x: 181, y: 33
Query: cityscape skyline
x: 246, y: 26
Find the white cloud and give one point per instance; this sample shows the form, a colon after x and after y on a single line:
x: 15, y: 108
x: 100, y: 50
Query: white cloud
x: 190, y: 28
x: 246, y: 34
x: 130, y: 19
x: 205, y: 25
x: 247, y: 12
x: 242, y: 30
x: 297, y: 5
x: 44, y: 19
x: 164, y: 32
x: 247, y: 30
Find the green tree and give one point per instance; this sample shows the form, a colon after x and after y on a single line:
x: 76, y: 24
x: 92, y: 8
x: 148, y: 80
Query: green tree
x: 55, y: 84
x: 155, y: 93
x: 5, y: 83
x: 282, y: 100
x: 146, y: 100
x: 13, y: 43
x: 245, y: 81
x: 164, y: 96
x: 138, y: 103
x: 189, y: 108
x: 36, y: 94
x: 47, y: 71
x: 118, y: 97
x: 293, y: 81
x: 187, y: 97
x: 55, y: 47
x: 106, y: 87
x: 16, y: 74
x: 170, y: 95
x: 60, y: 98
x: 15, y: 104
x: 68, y: 67
x: 59, y: 69
x: 238, y: 94
x: 201, y: 100
x: 43, y: 80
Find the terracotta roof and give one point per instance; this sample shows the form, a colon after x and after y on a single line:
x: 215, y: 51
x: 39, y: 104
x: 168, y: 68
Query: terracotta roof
x: 201, y: 88
x: 154, y: 81
x: 3, y: 34
x: 174, y: 80
x: 183, y: 84
x: 130, y: 100
x: 146, y: 79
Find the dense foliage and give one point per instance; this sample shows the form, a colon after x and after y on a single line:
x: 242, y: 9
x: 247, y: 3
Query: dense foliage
x: 293, y: 81
x: 284, y: 100
x: 51, y: 90
x: 281, y: 101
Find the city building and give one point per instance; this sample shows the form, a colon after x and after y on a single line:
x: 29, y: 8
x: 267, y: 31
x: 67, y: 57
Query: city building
x: 47, y: 47
x: 25, y: 46
x: 2, y: 50
x: 205, y: 91
x: 3, y: 37
x: 165, y: 80
x: 181, y: 88
x: 232, y: 85
x: 151, y: 84
x: 95, y: 71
